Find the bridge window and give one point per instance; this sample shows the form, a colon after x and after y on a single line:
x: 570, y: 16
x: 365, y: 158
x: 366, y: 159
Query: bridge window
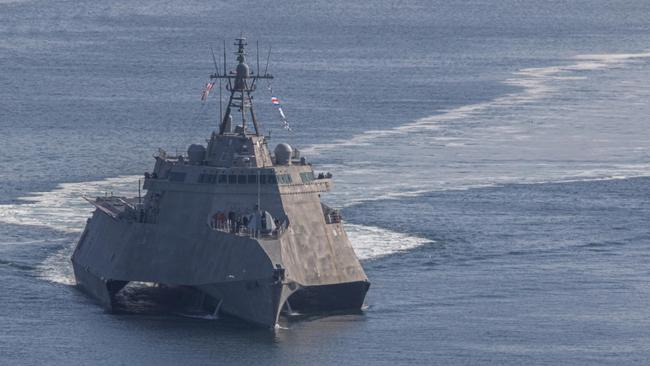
x: 223, y: 179
x: 262, y: 179
x: 307, y: 177
x: 284, y: 179
x: 252, y: 179
x: 241, y: 179
x: 232, y: 179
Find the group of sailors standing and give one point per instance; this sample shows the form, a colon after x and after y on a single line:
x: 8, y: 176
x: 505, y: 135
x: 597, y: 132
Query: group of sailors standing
x: 257, y: 222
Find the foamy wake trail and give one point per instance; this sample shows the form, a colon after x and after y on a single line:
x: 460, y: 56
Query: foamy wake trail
x: 564, y: 122
x: 57, y: 268
x: 63, y: 208
x: 371, y: 242
x: 534, y: 84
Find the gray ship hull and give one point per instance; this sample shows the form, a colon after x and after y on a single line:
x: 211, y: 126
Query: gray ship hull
x: 247, y: 277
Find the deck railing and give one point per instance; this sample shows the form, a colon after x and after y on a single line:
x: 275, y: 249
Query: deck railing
x: 238, y: 228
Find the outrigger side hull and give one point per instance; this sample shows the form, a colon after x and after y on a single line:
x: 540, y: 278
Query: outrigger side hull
x: 247, y: 278
x: 112, y: 252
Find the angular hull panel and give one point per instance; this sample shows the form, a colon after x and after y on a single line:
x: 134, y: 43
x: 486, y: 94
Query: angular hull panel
x: 250, y: 278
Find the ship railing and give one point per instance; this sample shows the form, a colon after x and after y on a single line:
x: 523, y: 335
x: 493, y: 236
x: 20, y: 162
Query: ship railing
x: 332, y: 216
x: 232, y: 227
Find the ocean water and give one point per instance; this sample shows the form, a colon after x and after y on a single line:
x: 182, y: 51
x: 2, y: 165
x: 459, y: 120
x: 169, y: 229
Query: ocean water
x: 491, y: 160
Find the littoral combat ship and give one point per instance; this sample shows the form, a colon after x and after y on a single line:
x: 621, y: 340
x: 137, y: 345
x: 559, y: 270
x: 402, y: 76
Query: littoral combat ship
x: 241, y: 225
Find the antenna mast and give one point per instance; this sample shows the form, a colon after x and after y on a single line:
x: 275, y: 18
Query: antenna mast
x: 216, y: 68
x: 240, y: 84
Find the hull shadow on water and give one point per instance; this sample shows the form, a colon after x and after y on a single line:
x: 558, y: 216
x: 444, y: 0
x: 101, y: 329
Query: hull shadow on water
x: 145, y: 302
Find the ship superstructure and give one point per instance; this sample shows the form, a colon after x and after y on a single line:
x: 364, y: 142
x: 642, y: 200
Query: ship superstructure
x: 231, y: 219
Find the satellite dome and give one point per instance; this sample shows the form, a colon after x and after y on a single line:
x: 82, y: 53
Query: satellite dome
x: 283, y: 154
x: 196, y: 153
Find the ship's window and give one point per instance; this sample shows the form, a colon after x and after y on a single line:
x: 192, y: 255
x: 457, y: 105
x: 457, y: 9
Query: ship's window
x: 307, y: 177
x: 223, y: 179
x: 241, y: 179
x: 262, y: 179
x: 232, y: 179
x: 177, y: 177
x: 271, y: 179
x: 201, y: 177
x: 211, y: 178
x: 284, y: 179
x: 252, y: 179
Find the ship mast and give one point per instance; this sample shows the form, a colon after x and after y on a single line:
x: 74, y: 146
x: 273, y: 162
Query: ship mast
x: 240, y: 83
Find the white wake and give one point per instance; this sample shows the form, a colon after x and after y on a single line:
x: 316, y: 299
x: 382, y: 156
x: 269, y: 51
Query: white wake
x: 534, y: 84
x: 583, y: 120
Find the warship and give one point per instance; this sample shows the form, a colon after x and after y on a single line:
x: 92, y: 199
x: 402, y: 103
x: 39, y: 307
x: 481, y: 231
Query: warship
x: 241, y: 225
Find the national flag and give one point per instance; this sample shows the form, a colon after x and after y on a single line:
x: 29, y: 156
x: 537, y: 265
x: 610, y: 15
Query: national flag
x: 206, y: 91
x: 276, y: 102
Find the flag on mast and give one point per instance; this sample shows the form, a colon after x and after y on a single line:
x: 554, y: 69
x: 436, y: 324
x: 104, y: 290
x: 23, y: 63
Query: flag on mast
x: 206, y: 91
x: 285, y: 123
x: 276, y: 102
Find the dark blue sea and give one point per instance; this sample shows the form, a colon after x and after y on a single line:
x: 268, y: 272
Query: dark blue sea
x: 491, y: 159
